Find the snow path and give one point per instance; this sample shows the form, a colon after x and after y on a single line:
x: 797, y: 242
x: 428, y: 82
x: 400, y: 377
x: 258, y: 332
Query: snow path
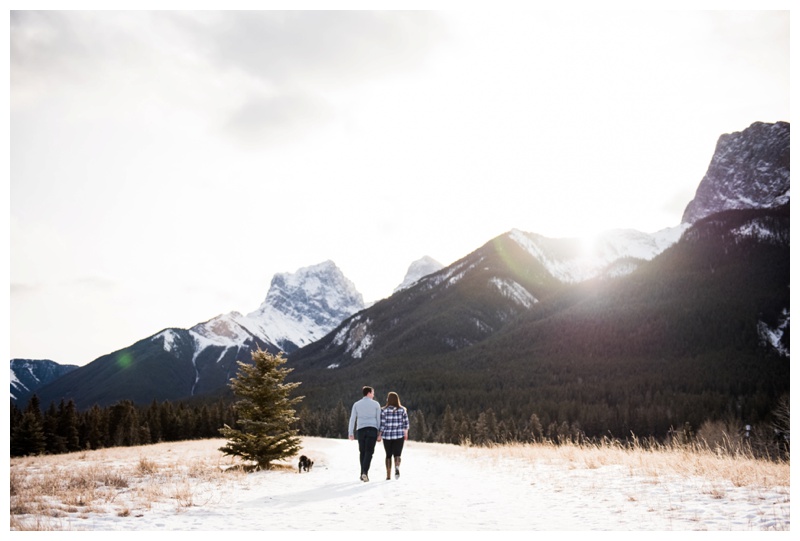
x: 445, y: 487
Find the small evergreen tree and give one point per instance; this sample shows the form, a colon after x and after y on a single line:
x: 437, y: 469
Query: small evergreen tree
x: 266, y: 413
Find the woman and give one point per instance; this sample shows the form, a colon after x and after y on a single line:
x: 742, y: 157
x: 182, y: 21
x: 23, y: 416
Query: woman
x: 394, y: 431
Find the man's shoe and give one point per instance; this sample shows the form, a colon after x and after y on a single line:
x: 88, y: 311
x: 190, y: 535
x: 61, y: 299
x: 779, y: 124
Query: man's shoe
x: 363, y: 476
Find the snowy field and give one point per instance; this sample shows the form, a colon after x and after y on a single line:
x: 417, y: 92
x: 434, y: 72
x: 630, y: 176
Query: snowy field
x: 441, y: 488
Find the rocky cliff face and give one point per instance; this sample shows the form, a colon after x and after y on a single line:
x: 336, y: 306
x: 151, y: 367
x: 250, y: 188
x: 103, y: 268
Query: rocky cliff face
x: 302, y: 307
x: 749, y: 169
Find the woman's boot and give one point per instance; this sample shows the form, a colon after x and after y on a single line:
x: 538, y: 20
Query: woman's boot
x: 388, y: 468
x: 397, y: 467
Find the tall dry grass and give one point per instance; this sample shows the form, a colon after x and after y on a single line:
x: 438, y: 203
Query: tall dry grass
x: 741, y: 468
x: 52, y: 492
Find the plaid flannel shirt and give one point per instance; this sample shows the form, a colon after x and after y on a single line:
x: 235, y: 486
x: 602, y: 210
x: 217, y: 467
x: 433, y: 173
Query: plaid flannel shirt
x: 393, y: 422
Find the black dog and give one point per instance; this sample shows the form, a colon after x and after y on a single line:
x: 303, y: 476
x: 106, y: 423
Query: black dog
x: 305, y: 464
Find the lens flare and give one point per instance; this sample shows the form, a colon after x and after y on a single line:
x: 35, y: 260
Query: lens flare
x: 124, y: 360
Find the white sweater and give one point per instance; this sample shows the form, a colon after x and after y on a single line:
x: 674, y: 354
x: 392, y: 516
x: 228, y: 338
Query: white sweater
x: 366, y: 412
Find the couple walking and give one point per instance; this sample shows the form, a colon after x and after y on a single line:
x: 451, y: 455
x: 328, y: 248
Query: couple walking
x: 388, y: 424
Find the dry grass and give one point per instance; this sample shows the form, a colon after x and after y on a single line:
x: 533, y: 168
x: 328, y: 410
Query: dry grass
x: 656, y: 462
x: 56, y: 492
x: 51, y: 492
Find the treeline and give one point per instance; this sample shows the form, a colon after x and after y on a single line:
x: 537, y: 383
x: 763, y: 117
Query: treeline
x: 768, y: 439
x: 63, y: 429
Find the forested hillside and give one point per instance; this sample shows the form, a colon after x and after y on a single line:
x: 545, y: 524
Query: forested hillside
x: 676, y: 342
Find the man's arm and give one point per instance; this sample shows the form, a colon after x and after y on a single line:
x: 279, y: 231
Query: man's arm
x: 351, y: 426
x: 380, y: 421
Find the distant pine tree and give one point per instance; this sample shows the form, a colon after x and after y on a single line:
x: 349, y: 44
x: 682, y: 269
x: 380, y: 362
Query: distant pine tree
x: 266, y: 413
x: 28, y: 438
x: 68, y: 426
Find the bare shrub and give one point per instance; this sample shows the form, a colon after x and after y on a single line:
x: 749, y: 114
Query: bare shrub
x: 115, y: 480
x: 147, y: 466
x: 182, y: 492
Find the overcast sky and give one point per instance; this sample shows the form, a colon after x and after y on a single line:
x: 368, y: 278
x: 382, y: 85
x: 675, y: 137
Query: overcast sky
x: 165, y: 165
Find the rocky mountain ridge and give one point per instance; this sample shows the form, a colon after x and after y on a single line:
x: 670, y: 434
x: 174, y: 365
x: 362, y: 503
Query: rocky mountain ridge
x: 749, y: 169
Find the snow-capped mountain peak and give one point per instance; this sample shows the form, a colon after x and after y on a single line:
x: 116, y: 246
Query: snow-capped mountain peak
x: 576, y: 260
x: 418, y: 269
x: 319, y: 296
x: 300, y: 308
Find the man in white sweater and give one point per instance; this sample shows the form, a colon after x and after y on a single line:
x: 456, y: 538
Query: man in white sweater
x: 365, y: 421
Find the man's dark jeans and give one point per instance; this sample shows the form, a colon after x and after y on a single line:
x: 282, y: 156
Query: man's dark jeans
x: 367, y: 437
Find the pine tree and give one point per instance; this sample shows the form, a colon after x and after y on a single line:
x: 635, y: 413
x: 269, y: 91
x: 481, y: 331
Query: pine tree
x: 536, y: 432
x: 266, y: 413
x: 341, y: 420
x: 68, y: 426
x: 419, y: 428
x: 29, y: 438
x: 95, y: 429
x: 123, y: 421
x: 449, y: 433
x: 54, y: 443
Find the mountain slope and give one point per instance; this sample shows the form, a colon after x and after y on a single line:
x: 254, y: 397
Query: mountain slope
x: 28, y: 375
x: 177, y: 363
x: 679, y: 340
x: 478, y: 295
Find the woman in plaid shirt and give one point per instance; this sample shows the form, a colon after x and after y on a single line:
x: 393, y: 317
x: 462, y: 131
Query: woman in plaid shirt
x: 394, y: 431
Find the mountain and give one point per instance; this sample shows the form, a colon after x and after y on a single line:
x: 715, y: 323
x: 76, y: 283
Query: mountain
x: 698, y: 332
x: 634, y: 333
x: 181, y: 363
x: 631, y: 332
x: 302, y: 307
x: 418, y: 269
x: 477, y: 296
x: 28, y: 375
x: 750, y: 169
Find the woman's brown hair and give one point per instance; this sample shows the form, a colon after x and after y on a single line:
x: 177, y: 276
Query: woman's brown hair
x: 393, y: 400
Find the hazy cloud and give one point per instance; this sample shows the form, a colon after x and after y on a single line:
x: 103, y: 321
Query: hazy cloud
x: 314, y: 47
x: 296, y: 56
x: 278, y: 117
x: 264, y: 70
x: 82, y: 283
x: 50, y: 48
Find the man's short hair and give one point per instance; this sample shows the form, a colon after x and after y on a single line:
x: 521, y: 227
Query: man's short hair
x: 366, y: 390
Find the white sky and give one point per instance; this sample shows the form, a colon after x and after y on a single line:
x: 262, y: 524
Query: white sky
x: 165, y: 165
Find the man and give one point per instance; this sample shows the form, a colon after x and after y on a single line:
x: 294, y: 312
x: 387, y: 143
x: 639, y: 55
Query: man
x: 366, y: 416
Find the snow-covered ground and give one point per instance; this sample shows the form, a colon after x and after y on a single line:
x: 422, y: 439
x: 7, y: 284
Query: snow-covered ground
x: 441, y: 488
